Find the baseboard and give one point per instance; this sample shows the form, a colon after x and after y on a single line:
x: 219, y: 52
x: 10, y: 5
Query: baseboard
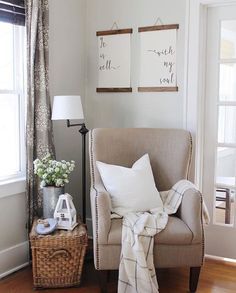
x: 14, y: 258
x: 220, y: 258
x: 5, y: 274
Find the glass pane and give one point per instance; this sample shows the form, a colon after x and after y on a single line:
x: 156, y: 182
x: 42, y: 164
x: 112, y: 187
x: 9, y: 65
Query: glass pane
x: 227, y: 82
x: 225, y: 167
x: 228, y: 39
x: 227, y: 124
x: 6, y: 56
x: 224, y: 206
x: 9, y: 129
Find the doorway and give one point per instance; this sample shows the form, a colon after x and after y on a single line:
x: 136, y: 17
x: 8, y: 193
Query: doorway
x: 219, y: 144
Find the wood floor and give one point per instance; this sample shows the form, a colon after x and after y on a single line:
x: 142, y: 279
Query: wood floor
x: 216, y: 277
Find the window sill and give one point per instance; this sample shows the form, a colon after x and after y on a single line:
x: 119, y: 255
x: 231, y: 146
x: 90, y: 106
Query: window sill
x: 12, y: 187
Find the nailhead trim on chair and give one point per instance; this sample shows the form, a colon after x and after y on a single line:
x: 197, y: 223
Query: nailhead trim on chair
x: 96, y: 205
x: 203, y: 235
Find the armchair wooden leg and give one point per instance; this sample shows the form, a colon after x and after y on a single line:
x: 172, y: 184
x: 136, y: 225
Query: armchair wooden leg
x: 103, y: 276
x: 193, y: 280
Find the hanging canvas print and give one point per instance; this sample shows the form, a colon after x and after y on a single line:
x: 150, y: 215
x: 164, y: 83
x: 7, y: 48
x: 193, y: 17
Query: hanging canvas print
x: 158, y: 58
x: 114, y: 60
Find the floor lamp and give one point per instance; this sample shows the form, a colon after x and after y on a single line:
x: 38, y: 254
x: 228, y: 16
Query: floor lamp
x: 70, y: 108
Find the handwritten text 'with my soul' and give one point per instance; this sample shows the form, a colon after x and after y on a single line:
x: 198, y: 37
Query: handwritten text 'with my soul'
x: 169, y: 78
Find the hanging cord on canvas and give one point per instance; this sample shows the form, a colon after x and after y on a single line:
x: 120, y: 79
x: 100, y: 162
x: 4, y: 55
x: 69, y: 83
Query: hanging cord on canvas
x: 158, y: 20
x: 114, y: 26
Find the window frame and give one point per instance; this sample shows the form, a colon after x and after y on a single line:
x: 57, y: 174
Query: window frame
x: 19, y: 88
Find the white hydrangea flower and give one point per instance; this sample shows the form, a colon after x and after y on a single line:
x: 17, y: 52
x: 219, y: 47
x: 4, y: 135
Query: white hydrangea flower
x: 37, y: 161
x: 59, y: 182
x: 42, y: 184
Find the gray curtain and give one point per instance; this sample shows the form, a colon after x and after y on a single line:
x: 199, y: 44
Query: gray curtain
x: 39, y: 136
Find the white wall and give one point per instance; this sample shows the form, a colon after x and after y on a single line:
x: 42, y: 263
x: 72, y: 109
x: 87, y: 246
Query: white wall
x: 133, y: 109
x: 13, y: 233
x: 73, y: 70
x: 67, y: 77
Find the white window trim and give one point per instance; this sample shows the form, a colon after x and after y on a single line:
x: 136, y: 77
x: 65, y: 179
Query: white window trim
x: 22, y: 72
x: 12, y: 187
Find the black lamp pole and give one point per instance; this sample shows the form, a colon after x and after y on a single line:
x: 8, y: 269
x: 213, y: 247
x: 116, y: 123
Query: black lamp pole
x: 83, y: 130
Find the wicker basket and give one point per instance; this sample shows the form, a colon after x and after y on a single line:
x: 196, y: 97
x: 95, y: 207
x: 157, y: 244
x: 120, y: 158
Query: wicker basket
x: 58, y: 258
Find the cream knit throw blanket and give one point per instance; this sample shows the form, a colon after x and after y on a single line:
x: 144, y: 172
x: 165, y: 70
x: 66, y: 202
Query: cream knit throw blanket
x: 137, y: 272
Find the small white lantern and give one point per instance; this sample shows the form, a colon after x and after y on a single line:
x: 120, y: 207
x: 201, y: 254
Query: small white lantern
x: 65, y: 213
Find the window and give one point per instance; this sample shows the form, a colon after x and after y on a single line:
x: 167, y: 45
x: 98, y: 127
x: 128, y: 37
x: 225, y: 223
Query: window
x: 12, y: 100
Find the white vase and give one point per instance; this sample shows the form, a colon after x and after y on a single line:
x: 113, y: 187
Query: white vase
x: 50, y: 198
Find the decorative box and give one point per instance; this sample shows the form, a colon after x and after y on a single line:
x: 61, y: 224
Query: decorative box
x: 58, y: 258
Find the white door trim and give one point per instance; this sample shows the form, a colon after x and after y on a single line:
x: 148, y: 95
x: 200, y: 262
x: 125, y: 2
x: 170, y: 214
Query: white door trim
x: 195, y: 87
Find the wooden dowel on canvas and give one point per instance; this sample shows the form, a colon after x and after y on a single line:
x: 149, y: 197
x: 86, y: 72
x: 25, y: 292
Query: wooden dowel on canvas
x: 115, y: 32
x: 158, y: 89
x: 114, y: 90
x: 158, y: 27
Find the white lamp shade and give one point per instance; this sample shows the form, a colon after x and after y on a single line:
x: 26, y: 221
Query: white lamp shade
x: 67, y: 108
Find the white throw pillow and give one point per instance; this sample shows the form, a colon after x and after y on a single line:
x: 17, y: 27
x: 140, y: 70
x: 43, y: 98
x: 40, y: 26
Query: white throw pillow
x: 131, y: 189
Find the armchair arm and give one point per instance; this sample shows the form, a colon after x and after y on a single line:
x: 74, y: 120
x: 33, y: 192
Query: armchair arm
x: 190, y: 211
x: 101, y: 213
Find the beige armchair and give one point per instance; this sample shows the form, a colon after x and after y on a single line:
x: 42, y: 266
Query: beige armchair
x: 181, y: 243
